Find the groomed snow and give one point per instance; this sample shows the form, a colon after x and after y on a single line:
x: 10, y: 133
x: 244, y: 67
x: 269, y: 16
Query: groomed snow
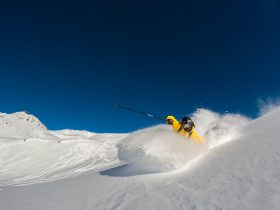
x: 153, y: 168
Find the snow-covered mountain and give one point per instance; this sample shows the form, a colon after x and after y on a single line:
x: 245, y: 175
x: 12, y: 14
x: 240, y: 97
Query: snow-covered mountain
x: 150, y: 169
x: 23, y: 125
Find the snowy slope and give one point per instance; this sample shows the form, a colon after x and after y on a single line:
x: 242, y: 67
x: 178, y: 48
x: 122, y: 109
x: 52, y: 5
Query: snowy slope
x: 37, y: 161
x: 238, y: 170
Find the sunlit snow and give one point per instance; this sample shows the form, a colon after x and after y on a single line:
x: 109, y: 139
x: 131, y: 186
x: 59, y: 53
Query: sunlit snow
x: 154, y: 168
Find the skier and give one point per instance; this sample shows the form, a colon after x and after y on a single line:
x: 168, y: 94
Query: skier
x: 186, y: 127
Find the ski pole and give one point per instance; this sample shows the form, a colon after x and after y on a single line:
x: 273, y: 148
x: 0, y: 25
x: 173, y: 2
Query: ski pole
x: 139, y: 112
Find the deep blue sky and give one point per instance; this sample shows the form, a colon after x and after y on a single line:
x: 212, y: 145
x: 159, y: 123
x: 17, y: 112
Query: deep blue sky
x: 69, y: 62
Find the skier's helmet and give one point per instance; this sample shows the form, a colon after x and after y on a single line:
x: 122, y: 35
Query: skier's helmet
x: 187, y: 124
x: 186, y: 119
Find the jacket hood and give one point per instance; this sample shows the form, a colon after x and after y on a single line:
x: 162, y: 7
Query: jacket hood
x: 170, y: 118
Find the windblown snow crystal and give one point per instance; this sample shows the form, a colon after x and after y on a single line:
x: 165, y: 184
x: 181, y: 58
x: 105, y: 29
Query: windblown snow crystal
x: 160, y: 149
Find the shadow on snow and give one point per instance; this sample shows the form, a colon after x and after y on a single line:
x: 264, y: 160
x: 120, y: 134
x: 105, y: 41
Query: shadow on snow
x: 126, y: 171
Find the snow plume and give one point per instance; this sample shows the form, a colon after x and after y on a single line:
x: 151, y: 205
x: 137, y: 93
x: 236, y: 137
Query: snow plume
x: 267, y: 105
x: 159, y: 149
x: 216, y: 128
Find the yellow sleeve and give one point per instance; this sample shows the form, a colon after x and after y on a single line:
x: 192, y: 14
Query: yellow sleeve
x: 176, y: 125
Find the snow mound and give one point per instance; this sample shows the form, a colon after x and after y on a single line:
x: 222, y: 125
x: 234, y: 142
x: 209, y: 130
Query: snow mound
x: 160, y: 149
x: 23, y: 125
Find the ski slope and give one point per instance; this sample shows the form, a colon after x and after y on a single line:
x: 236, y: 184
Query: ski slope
x: 238, y: 167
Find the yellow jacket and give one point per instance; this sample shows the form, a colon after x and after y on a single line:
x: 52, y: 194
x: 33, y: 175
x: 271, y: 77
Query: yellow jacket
x: 193, y: 135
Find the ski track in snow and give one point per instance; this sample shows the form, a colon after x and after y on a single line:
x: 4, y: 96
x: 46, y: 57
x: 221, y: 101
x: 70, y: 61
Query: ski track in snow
x: 37, y: 161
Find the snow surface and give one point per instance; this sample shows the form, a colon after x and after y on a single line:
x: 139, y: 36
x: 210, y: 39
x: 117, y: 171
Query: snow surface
x: 154, y: 168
